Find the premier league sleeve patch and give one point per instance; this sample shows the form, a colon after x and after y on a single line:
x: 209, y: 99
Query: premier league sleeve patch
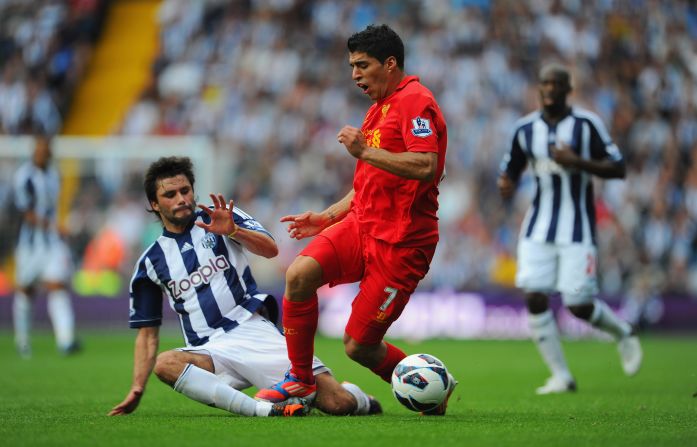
x: 422, y: 127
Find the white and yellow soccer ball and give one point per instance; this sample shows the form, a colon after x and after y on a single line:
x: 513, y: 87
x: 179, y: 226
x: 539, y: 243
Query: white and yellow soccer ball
x: 420, y: 382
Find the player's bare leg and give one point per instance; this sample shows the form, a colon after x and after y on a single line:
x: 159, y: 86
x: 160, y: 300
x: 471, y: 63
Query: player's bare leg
x: 380, y: 358
x: 170, y: 364
x: 369, y: 356
x: 545, y: 335
x: 193, y: 375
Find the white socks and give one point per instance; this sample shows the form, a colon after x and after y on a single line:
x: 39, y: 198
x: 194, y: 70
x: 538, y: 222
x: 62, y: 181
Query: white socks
x: 60, y: 310
x: 544, y: 332
x: 21, y: 312
x: 205, y: 387
x: 605, y: 319
x: 362, y: 401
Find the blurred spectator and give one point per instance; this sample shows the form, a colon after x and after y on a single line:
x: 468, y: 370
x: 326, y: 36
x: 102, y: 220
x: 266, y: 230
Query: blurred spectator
x: 44, y: 47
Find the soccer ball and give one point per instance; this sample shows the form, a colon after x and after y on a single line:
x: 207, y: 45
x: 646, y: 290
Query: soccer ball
x: 420, y: 382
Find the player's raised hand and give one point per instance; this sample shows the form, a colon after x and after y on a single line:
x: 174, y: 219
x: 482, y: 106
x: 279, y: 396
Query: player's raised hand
x: 129, y: 404
x: 305, y: 225
x: 354, y: 140
x: 222, y: 221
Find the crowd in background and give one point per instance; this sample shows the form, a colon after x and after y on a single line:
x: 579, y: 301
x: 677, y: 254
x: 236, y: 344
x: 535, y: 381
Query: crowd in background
x: 270, y: 82
x: 44, y: 49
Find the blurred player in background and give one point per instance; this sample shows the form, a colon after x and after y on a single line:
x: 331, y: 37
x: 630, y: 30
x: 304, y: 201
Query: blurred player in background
x: 384, y: 232
x: 557, y: 251
x: 42, y: 258
x: 200, y: 263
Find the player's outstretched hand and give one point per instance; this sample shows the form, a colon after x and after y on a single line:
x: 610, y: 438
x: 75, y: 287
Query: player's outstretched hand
x: 305, y: 225
x: 129, y: 404
x: 222, y: 221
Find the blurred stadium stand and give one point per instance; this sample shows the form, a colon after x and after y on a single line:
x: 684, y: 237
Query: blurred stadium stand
x: 267, y: 85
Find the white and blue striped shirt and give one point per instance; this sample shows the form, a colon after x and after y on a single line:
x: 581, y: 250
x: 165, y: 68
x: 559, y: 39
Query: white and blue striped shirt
x: 36, y: 190
x: 205, y: 276
x: 562, y: 210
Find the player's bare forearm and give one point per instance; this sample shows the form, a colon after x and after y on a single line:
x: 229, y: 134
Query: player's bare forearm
x: 338, y: 210
x: 411, y: 165
x: 260, y: 244
x: 607, y: 169
x: 144, y: 355
x: 222, y: 222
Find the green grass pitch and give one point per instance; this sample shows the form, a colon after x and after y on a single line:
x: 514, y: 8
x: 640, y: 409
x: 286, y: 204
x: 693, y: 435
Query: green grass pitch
x: 50, y: 400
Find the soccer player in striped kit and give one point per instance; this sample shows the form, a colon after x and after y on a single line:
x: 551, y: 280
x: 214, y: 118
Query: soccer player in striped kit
x: 384, y: 232
x: 200, y: 263
x: 42, y: 258
x: 564, y: 146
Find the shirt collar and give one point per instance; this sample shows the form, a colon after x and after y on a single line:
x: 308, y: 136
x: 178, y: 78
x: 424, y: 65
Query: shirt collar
x: 405, y: 81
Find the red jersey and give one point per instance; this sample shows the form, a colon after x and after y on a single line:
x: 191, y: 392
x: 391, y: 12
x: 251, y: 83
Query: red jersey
x: 389, y: 207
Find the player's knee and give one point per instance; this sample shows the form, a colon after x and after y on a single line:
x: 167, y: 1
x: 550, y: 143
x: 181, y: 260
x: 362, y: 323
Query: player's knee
x: 362, y: 354
x: 167, y: 367
x: 353, y: 352
x: 536, y: 302
x: 582, y: 311
x: 303, y: 277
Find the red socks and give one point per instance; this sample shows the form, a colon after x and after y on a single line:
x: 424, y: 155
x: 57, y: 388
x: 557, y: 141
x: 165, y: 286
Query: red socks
x: 393, y: 356
x: 299, y: 326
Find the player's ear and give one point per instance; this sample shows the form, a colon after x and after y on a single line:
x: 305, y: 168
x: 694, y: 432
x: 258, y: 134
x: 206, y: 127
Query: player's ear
x: 391, y: 63
x: 155, y: 206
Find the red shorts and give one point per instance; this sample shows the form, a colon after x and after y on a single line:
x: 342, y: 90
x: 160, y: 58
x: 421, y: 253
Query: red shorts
x: 388, y: 275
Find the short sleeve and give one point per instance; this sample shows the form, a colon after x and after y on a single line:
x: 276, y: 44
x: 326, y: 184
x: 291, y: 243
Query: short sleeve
x: 145, y: 306
x: 514, y: 161
x: 419, y: 124
x: 601, y: 145
x: 247, y: 222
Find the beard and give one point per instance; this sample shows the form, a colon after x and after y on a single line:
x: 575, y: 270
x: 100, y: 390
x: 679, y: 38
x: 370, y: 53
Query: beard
x: 181, y: 220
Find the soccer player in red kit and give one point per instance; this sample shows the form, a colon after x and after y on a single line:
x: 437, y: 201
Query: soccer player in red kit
x: 384, y: 232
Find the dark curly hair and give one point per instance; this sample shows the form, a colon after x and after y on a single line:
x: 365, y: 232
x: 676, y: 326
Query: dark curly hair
x: 380, y: 42
x: 166, y: 167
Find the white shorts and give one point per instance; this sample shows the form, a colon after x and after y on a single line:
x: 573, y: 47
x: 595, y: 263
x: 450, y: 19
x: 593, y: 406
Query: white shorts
x: 252, y: 354
x: 43, y: 262
x: 569, y: 269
